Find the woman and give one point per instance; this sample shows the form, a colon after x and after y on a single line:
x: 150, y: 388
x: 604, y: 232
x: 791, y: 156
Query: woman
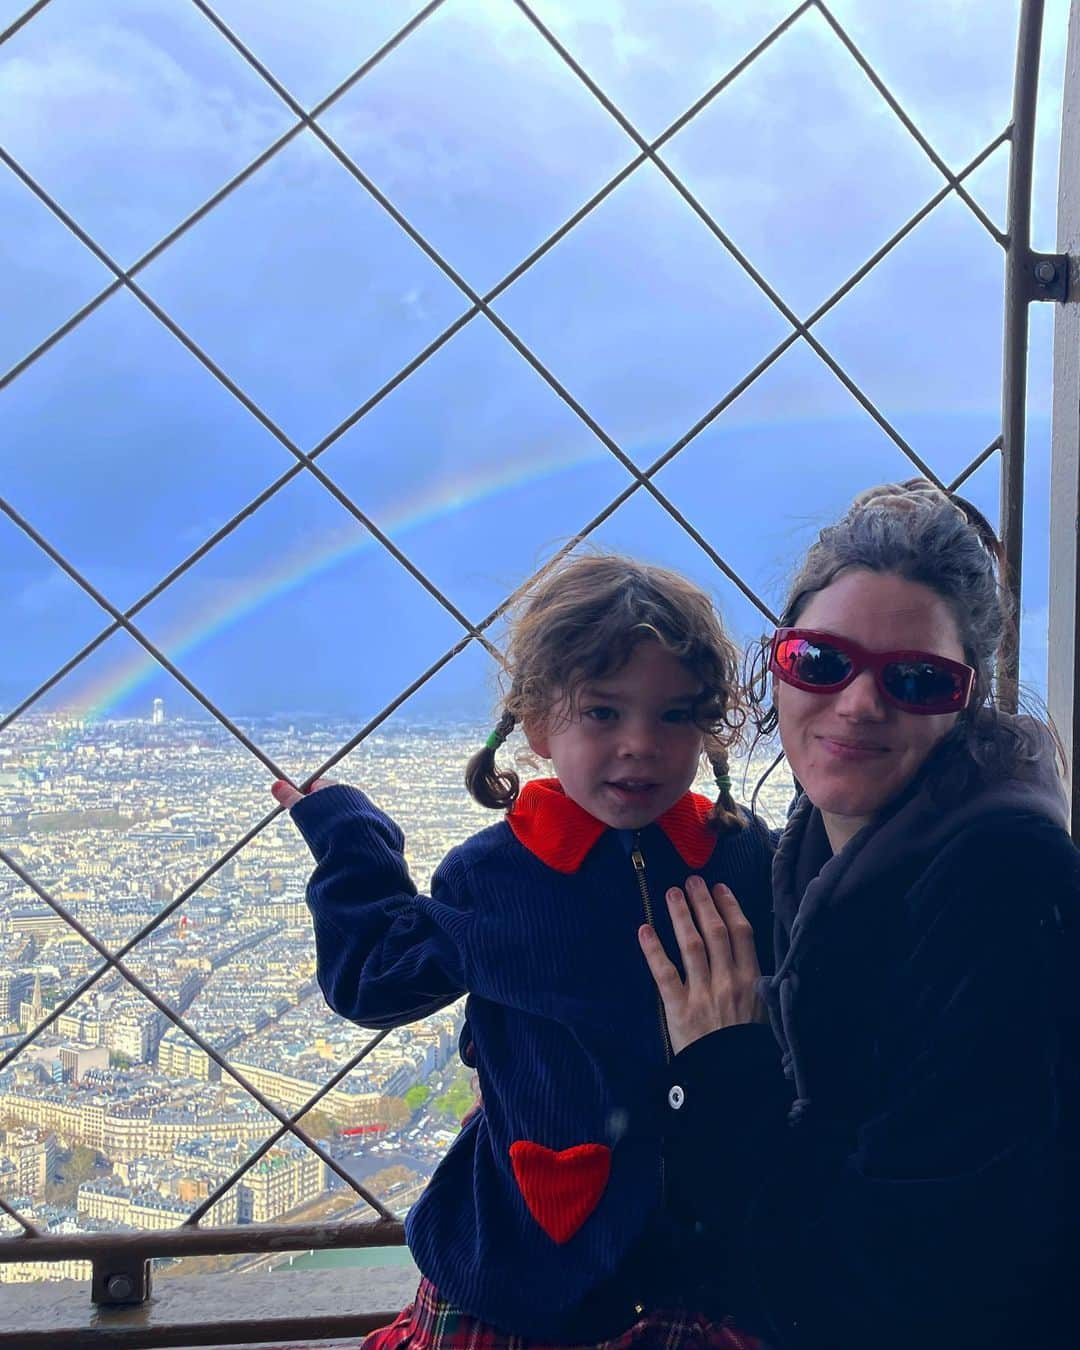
x: 889, y: 1168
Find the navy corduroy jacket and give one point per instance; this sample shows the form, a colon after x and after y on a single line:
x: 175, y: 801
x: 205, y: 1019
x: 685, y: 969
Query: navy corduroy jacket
x: 531, y: 1220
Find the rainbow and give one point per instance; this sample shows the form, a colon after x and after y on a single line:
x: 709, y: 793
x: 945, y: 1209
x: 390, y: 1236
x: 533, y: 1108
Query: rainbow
x: 98, y: 699
x: 231, y: 604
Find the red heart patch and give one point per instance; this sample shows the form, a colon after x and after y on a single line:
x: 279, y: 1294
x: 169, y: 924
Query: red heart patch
x: 561, y: 1189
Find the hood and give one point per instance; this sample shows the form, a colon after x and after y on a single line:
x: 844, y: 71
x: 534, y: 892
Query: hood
x: 808, y: 879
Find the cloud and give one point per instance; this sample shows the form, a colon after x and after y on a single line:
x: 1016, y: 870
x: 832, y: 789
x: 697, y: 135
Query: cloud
x: 309, y: 296
x: 42, y: 595
x: 131, y: 118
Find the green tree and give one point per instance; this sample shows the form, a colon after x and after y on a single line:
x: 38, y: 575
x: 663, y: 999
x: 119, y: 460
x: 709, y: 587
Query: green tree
x: 456, y: 1101
x: 416, y: 1096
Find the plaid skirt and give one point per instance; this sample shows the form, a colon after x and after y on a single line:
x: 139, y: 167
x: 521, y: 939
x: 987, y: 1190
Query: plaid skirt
x: 429, y: 1323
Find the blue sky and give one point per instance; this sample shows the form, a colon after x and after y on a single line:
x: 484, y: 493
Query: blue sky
x: 125, y: 453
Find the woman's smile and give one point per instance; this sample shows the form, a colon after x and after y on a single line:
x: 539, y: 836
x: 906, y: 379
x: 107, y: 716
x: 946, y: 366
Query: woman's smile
x: 845, y: 748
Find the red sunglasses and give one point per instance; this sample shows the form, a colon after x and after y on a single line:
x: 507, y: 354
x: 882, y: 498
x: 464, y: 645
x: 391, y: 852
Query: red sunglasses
x: 918, y: 682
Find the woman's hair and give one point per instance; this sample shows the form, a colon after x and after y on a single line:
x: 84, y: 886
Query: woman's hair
x: 582, y: 621
x: 941, y: 541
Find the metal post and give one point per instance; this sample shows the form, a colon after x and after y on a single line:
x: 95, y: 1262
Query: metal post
x: 1017, y: 296
x: 1063, y: 683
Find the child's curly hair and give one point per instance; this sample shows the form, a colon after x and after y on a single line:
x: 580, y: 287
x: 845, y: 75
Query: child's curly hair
x: 582, y: 621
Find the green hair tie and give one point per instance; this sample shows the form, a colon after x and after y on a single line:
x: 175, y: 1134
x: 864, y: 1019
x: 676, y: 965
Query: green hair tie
x: 723, y: 782
x: 494, y: 740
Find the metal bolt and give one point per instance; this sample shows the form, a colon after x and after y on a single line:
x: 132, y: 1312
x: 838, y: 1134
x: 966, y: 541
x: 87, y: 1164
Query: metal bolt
x: 1045, y: 271
x: 120, y: 1287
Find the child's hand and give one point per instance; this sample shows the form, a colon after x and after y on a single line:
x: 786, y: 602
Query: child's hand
x: 286, y: 795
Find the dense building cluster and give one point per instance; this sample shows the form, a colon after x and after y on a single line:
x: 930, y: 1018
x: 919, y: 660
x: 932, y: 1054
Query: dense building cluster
x: 117, y: 821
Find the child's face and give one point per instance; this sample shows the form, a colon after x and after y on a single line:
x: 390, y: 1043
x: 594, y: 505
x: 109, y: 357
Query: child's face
x: 628, y: 749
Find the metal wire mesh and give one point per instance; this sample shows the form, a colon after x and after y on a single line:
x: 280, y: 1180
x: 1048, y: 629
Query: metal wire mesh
x: 305, y: 461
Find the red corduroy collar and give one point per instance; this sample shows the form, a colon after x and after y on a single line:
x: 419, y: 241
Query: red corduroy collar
x: 560, y: 833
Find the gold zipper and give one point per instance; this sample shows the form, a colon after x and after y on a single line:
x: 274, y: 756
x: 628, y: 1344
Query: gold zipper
x: 646, y: 903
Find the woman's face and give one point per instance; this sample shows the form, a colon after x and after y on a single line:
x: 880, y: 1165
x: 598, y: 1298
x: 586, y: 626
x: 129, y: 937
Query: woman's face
x: 852, y: 751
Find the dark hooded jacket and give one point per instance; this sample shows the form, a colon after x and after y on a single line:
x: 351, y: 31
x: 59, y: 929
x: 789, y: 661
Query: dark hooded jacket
x: 893, y: 1173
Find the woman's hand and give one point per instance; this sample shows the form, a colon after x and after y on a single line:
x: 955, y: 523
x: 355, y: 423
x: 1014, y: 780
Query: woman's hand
x: 717, y: 947
x: 286, y: 795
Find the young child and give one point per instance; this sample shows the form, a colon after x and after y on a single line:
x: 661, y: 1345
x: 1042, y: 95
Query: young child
x: 546, y: 1220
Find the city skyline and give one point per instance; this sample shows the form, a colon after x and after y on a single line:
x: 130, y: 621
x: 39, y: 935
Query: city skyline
x: 111, y: 1115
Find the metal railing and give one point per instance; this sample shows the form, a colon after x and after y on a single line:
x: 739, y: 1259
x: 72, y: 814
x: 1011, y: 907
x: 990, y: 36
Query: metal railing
x: 121, y: 1263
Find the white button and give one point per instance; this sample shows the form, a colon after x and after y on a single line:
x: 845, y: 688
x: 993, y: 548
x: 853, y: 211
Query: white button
x: 676, y: 1096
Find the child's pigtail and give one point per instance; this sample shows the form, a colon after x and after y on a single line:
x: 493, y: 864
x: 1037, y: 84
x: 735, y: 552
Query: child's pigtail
x: 725, y: 817
x: 497, y: 788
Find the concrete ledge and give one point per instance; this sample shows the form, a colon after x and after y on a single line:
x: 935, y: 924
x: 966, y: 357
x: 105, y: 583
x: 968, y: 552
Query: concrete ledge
x: 215, y: 1310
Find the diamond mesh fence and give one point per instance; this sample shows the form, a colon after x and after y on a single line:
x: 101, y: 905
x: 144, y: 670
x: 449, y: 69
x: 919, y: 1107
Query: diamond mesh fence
x: 125, y: 956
